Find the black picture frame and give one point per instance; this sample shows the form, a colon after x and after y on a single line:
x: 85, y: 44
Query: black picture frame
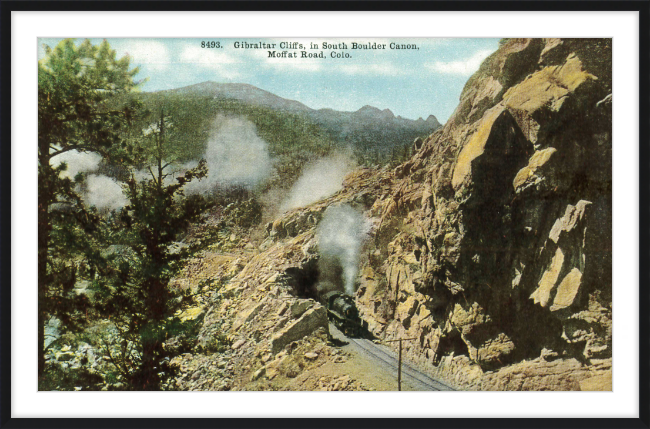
x: 6, y: 9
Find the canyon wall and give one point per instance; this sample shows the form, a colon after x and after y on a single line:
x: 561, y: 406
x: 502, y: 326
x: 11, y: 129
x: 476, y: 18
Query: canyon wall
x: 494, y: 247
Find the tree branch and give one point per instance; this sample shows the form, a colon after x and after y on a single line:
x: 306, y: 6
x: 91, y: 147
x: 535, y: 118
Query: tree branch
x: 76, y: 117
x: 69, y: 148
x: 124, y: 370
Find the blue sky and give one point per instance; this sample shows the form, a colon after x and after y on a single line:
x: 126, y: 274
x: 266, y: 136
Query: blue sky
x: 412, y: 83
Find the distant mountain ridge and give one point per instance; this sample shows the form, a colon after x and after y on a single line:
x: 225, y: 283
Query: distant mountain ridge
x: 242, y: 92
x: 260, y: 97
x: 367, y: 126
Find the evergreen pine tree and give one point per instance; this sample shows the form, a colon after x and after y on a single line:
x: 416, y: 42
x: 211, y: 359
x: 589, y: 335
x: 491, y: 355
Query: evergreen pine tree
x: 75, y: 86
x: 135, y: 291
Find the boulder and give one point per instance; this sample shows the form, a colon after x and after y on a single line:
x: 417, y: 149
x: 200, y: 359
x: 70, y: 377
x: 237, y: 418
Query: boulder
x: 258, y: 374
x: 299, y: 307
x: 533, y: 174
x: 548, y: 88
x: 464, y: 319
x: 542, y: 294
x: 310, y: 321
x: 476, y: 146
x: 237, y: 344
x: 247, y: 315
x: 567, y: 290
x: 572, y: 217
x: 52, y: 331
x: 493, y: 351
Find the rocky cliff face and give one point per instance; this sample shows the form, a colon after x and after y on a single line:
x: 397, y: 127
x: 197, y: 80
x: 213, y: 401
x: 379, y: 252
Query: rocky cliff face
x: 491, y: 245
x: 495, y: 241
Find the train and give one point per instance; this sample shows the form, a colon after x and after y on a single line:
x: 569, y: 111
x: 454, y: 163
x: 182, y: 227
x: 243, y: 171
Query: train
x: 343, y: 312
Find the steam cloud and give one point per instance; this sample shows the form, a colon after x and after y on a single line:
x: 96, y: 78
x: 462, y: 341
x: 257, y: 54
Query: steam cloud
x: 340, y: 235
x: 104, y: 192
x: 319, y: 180
x: 77, y: 162
x: 100, y: 191
x: 235, y: 155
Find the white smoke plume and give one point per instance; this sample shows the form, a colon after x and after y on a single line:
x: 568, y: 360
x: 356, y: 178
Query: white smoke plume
x: 340, y: 235
x: 104, y: 192
x: 318, y: 180
x: 235, y: 155
x: 100, y: 191
x: 77, y: 162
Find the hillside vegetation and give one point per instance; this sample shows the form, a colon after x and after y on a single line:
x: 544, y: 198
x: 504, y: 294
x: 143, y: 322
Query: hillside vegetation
x: 295, y: 133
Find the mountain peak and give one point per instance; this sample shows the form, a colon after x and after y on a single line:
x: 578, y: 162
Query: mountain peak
x: 243, y: 92
x: 388, y: 112
x: 368, y: 109
x: 371, y: 111
x: 433, y: 121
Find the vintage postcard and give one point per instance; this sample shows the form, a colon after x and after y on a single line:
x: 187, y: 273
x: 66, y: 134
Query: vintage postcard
x: 325, y: 214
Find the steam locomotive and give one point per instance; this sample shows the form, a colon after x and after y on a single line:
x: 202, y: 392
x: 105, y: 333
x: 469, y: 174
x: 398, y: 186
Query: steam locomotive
x: 343, y: 313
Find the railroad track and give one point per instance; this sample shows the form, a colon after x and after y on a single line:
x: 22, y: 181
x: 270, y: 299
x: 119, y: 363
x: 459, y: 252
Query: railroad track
x: 384, y: 358
x: 417, y: 378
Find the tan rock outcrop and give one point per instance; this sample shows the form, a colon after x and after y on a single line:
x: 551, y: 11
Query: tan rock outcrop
x: 495, y: 237
x: 308, y: 323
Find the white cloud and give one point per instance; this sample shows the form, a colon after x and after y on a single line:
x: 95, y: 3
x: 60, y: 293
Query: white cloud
x: 153, y: 54
x: 296, y: 64
x: 462, y: 67
x: 434, y: 42
x: 213, y: 59
x: 370, y: 69
x: 205, y: 57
